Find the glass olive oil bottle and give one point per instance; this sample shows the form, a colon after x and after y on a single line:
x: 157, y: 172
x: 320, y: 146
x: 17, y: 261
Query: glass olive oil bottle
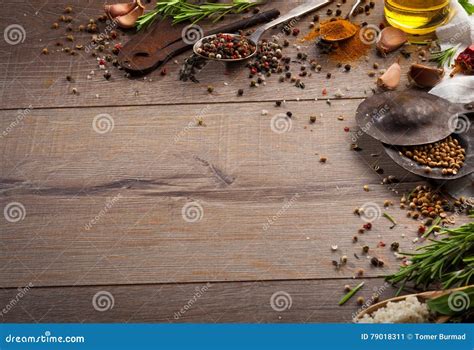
x: 417, y: 16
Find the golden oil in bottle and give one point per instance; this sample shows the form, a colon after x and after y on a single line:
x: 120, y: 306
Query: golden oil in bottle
x: 417, y: 16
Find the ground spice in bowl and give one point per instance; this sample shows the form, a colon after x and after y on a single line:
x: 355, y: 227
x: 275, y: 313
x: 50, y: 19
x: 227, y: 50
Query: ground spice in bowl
x: 339, y: 29
x: 343, y: 51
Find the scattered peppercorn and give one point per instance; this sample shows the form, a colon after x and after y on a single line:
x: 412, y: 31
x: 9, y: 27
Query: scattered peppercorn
x: 312, y: 119
x: 365, y: 249
x: 394, y: 246
x: 240, y: 92
x: 210, y: 89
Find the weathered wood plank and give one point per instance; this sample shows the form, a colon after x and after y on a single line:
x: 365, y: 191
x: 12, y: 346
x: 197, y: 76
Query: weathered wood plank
x: 29, y: 78
x: 297, y: 301
x: 107, y: 208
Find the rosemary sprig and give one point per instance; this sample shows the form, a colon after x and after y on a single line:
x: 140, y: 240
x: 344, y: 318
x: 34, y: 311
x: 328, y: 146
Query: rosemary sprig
x: 447, y: 261
x: 351, y: 293
x: 181, y: 10
x: 444, y: 57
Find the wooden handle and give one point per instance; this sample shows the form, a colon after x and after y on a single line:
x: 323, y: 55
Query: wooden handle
x: 143, y: 61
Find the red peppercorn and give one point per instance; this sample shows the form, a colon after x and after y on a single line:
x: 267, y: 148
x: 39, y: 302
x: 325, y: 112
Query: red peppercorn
x: 421, y: 229
x: 368, y: 226
x: 346, y: 129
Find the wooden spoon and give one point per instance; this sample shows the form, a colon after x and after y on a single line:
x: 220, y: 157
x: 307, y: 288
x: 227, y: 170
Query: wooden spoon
x: 422, y: 297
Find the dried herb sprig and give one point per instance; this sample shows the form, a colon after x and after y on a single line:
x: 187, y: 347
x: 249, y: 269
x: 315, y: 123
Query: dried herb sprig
x: 182, y: 10
x: 444, y: 57
x: 449, y: 261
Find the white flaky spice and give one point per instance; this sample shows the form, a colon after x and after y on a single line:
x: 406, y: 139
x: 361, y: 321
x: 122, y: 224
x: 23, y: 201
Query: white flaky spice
x: 409, y: 310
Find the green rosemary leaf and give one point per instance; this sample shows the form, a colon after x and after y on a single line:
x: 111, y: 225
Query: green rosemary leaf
x: 181, y: 10
x: 391, y: 219
x: 433, y: 226
x: 448, y: 261
x: 349, y: 295
x: 444, y: 57
x: 467, y: 6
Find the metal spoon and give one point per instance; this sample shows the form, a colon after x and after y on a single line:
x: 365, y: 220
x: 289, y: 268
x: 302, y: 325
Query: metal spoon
x: 353, y: 8
x: 255, y: 37
x: 349, y: 14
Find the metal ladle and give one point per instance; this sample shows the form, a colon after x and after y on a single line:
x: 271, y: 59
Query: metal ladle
x: 255, y: 37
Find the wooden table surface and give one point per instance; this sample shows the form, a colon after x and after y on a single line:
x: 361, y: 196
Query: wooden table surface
x: 229, y: 221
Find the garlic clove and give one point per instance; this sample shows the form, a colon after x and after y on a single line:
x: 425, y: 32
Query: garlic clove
x: 390, y: 39
x: 130, y: 19
x: 116, y: 10
x: 391, y: 78
x: 424, y: 76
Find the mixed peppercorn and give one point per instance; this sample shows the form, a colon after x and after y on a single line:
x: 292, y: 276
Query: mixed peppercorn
x: 226, y: 46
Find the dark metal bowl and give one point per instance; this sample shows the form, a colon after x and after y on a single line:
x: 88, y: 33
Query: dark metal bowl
x: 406, y: 118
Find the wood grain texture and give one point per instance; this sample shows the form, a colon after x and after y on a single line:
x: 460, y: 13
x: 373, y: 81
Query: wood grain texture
x: 103, y: 178
x: 29, y: 78
x: 108, y: 208
x: 249, y: 302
